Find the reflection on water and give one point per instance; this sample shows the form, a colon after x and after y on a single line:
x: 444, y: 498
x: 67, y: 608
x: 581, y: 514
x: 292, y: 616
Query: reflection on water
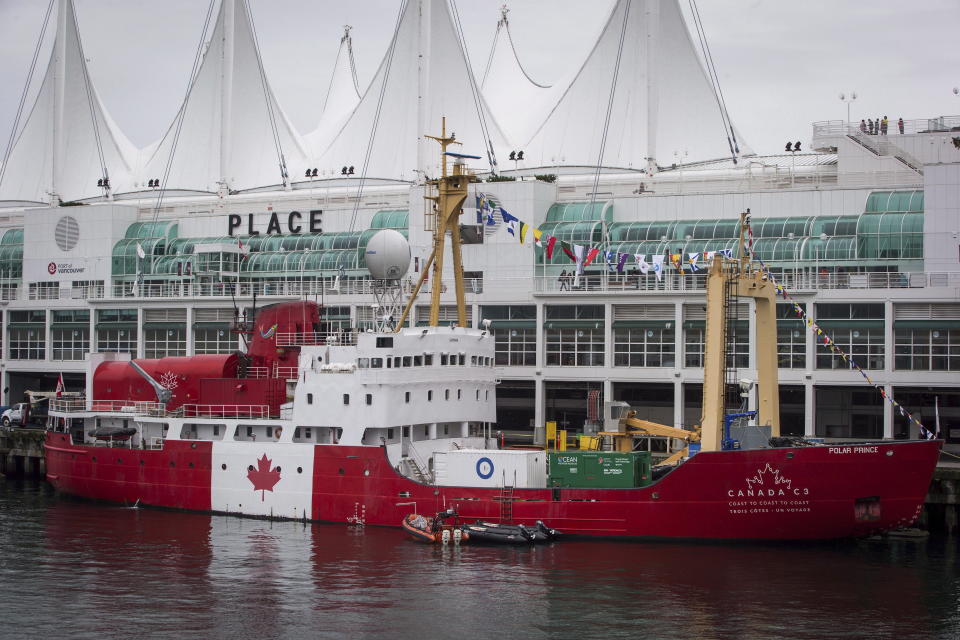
x: 79, y: 569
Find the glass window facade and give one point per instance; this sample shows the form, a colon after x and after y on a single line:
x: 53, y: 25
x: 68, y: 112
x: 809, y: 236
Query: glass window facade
x: 644, y: 347
x: 70, y: 343
x: 117, y: 340
x: 27, y: 343
x: 516, y: 347
x: 161, y: 343
x: 574, y: 347
x: 926, y: 349
x: 214, y: 340
x: 791, y: 338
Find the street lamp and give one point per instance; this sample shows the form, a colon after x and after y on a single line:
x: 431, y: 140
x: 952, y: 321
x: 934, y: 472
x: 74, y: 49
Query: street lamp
x: 848, y: 98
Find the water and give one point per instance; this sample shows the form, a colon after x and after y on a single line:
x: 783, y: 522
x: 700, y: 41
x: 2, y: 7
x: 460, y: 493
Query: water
x: 70, y: 568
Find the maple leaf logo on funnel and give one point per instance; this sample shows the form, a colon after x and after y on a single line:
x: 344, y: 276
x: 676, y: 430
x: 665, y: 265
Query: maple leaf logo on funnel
x: 263, y: 477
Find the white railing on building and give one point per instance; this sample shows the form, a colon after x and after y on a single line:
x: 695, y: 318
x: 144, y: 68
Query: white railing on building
x: 614, y: 283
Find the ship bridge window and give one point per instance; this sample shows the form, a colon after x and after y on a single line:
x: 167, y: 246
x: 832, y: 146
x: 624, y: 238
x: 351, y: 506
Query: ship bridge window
x: 369, y: 398
x: 407, y: 361
x: 444, y: 359
x: 473, y: 361
x: 429, y: 395
x: 346, y: 398
x: 418, y: 361
x: 363, y: 363
x: 462, y: 359
x: 446, y: 394
x: 376, y: 363
x: 309, y: 398
x: 389, y: 363
x: 396, y: 362
x: 428, y: 359
x: 384, y: 343
x: 406, y: 397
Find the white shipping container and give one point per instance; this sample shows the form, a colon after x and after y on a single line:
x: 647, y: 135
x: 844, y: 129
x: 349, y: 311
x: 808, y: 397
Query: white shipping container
x: 491, y: 468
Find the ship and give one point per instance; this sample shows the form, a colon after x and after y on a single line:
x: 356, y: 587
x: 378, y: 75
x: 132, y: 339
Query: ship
x: 363, y: 428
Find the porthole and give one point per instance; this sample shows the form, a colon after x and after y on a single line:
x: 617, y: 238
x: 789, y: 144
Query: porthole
x: 223, y: 466
x: 94, y: 458
x: 193, y: 446
x: 366, y: 472
x: 172, y: 463
x: 119, y: 460
x: 191, y: 465
x: 340, y: 471
x: 299, y: 469
x: 141, y: 463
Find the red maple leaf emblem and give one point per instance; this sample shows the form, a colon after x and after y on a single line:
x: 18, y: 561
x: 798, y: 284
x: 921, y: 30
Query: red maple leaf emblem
x: 263, y: 477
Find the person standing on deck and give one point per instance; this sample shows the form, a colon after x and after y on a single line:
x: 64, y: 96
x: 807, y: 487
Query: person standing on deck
x: 900, y: 125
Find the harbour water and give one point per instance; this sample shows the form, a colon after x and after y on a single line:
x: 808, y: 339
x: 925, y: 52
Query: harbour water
x: 71, y: 568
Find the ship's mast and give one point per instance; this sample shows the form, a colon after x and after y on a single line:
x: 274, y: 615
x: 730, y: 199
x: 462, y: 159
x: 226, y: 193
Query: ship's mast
x: 727, y: 280
x: 443, y: 217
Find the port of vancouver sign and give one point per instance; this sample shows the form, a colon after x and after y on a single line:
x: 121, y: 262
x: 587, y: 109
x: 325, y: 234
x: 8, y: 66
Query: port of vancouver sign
x: 767, y: 491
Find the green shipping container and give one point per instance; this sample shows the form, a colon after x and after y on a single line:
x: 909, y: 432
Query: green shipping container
x: 599, y: 469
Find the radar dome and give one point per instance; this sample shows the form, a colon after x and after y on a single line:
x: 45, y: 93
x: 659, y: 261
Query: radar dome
x: 388, y: 255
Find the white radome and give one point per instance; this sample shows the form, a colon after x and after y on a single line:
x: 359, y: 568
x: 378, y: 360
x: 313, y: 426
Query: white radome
x: 388, y: 255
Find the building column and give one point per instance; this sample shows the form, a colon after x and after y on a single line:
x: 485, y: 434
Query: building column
x: 189, y: 333
x: 678, y: 403
x: 888, y: 339
x: 541, y: 342
x: 809, y: 409
x: 888, y: 412
x: 539, y: 407
x: 140, y: 336
x: 432, y: 431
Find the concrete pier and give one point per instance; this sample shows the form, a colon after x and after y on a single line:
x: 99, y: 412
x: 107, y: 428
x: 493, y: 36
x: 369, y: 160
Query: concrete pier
x: 21, y: 453
x: 940, y: 513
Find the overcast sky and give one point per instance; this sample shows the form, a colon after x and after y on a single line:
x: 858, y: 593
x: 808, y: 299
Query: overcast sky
x: 782, y: 63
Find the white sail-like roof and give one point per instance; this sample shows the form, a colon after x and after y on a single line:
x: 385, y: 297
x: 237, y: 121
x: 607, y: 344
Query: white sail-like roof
x: 663, y: 102
x: 343, y: 96
x: 417, y: 92
x: 229, y: 114
x: 518, y: 102
x: 56, y: 152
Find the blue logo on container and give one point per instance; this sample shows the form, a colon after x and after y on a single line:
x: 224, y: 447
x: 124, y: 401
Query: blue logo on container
x: 485, y: 468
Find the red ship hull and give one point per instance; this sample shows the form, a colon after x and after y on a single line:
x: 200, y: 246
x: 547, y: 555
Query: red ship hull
x: 804, y: 493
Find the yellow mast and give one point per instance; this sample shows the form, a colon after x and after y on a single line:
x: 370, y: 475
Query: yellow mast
x: 451, y: 191
x: 727, y: 280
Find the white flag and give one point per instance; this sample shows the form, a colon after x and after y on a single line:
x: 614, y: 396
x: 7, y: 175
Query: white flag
x: 140, y: 253
x: 578, y: 251
x: 658, y: 267
x: 642, y: 263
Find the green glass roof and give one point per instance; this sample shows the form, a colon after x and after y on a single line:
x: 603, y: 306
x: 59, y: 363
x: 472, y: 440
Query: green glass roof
x: 578, y: 211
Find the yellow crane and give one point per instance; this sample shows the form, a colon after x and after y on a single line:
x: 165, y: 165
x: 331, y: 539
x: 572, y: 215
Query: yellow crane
x: 727, y: 279
x: 444, y: 218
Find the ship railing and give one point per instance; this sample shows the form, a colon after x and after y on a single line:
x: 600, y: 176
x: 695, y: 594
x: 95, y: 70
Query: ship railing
x: 128, y: 406
x: 226, y: 411
x: 68, y: 405
x: 307, y: 338
x: 286, y: 373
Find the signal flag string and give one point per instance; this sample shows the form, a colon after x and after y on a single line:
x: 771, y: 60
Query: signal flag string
x: 824, y: 338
